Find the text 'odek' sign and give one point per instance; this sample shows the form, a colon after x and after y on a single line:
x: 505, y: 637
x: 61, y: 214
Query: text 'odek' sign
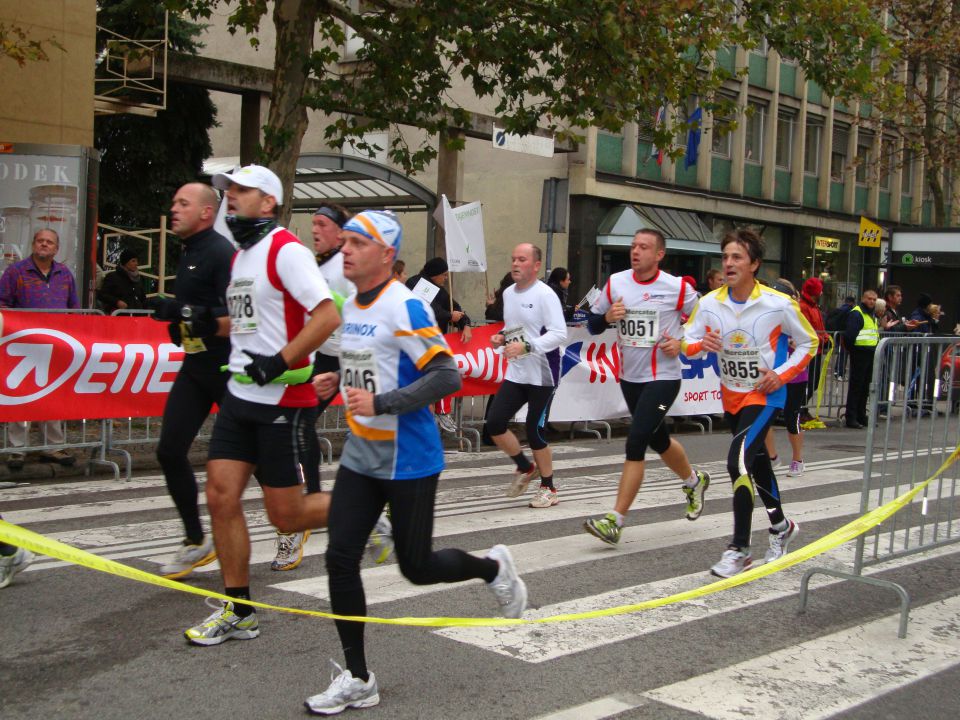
x: 75, y: 367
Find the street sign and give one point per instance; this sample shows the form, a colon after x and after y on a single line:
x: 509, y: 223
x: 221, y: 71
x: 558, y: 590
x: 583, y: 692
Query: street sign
x: 870, y: 233
x: 529, y: 144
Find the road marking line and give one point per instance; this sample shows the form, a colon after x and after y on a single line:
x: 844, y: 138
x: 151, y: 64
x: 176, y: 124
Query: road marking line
x: 598, y: 709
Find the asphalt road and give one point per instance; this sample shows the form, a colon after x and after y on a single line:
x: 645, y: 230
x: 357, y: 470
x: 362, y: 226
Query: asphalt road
x: 82, y: 644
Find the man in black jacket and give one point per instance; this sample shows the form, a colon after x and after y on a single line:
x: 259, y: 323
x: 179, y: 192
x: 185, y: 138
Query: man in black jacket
x: 123, y: 288
x: 194, y: 316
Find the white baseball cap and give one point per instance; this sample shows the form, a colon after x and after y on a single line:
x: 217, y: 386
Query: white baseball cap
x: 252, y: 176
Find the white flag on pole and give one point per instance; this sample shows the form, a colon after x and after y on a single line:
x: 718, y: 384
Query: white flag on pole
x: 463, y: 229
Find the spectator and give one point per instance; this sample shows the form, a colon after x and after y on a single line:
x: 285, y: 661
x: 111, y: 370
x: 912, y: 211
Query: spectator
x: 861, y: 337
x: 39, y: 282
x: 559, y: 281
x: 400, y: 271
x: 495, y: 302
x: 435, y: 271
x: 837, y: 322
x: 925, y: 321
x: 809, y: 301
x: 892, y: 321
x: 123, y: 288
x: 714, y: 279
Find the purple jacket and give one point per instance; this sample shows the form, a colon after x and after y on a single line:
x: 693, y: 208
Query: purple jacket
x: 24, y: 286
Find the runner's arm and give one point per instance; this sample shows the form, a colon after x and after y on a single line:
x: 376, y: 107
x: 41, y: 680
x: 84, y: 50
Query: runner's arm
x: 440, y: 379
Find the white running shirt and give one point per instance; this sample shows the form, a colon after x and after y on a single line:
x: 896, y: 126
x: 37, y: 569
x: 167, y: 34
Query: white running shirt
x: 332, y: 271
x: 534, y: 315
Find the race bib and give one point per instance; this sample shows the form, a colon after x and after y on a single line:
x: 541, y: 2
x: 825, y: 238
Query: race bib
x: 358, y: 369
x: 191, y: 345
x: 639, y: 328
x: 515, y: 334
x: 241, y: 300
x: 740, y: 368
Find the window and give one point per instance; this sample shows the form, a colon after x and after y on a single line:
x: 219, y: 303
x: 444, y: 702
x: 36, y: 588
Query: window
x: 753, y: 146
x: 906, y: 182
x: 721, y: 137
x: 838, y: 156
x: 785, y: 124
x: 864, y: 157
x: 889, y: 166
x: 811, y: 150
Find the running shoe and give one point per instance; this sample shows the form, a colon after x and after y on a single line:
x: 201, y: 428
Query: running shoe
x: 59, y: 457
x: 15, y: 460
x: 188, y: 557
x: 446, y: 423
x: 605, y: 528
x: 733, y: 562
x: 545, y: 497
x: 775, y: 463
x: 695, y: 495
x: 780, y: 540
x: 508, y: 587
x: 345, y: 691
x: 223, y: 625
x: 796, y: 469
x: 289, y: 550
x: 518, y: 485
x: 10, y: 565
x: 380, y: 542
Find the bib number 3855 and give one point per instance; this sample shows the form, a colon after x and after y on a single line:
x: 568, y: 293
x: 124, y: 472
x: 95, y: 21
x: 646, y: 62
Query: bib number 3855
x: 740, y: 369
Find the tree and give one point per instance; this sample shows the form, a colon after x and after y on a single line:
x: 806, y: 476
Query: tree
x: 926, y: 34
x: 559, y: 64
x: 145, y: 159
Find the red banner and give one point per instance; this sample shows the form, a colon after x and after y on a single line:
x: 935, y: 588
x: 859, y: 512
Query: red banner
x: 83, y: 367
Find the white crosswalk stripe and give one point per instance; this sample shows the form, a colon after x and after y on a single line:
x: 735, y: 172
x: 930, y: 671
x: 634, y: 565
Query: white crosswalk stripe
x: 134, y: 522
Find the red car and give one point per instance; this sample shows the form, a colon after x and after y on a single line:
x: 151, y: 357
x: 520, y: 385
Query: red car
x: 949, y: 374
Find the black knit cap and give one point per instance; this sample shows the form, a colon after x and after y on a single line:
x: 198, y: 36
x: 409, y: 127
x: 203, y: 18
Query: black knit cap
x: 433, y: 267
x: 127, y: 255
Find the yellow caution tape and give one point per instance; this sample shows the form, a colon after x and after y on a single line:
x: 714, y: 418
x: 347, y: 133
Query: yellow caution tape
x: 35, y: 542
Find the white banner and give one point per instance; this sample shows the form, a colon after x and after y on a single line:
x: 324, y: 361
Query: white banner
x: 589, y: 387
x: 463, y: 230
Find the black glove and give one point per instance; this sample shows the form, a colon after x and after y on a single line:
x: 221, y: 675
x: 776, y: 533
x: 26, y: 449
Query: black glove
x: 265, y: 368
x: 165, y: 308
x: 173, y: 330
x: 200, y: 321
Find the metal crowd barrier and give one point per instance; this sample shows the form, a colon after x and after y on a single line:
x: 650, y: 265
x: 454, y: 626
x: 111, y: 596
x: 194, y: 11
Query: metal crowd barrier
x: 914, y: 425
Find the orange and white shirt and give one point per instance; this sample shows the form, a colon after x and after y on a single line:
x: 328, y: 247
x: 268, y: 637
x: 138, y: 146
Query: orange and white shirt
x: 653, y: 308
x: 755, y: 336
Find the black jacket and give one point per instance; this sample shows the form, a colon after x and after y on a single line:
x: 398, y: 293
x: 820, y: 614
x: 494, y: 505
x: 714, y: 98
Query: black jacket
x: 441, y: 306
x: 118, y: 285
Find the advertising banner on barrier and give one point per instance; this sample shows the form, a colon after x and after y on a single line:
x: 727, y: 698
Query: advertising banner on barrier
x: 81, y: 367
x: 73, y: 367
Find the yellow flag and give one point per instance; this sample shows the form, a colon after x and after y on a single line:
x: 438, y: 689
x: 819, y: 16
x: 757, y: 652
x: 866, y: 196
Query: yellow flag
x: 870, y: 233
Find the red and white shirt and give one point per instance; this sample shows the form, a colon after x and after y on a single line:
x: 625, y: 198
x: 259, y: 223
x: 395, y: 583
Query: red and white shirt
x: 273, y: 287
x: 654, y: 307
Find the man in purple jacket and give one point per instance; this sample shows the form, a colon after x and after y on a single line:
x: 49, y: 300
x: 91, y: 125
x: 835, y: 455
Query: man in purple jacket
x: 39, y: 282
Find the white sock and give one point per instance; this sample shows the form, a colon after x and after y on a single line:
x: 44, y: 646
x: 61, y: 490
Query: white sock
x: 692, y: 480
x: 781, y: 526
x: 620, y: 518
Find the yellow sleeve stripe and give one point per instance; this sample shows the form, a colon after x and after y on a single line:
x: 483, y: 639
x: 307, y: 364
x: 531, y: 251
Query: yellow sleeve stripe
x: 427, y: 332
x: 368, y: 433
x: 431, y: 354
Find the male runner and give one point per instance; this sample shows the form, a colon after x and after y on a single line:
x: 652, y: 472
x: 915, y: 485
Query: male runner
x: 750, y: 326
x: 533, y: 330
x: 646, y: 303
x: 280, y: 313
x: 394, y: 363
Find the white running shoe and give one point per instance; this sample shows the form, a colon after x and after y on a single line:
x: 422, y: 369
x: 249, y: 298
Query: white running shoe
x: 732, y: 562
x: 545, y: 497
x: 446, y: 423
x: 188, y: 557
x: 10, y: 565
x: 518, y: 486
x: 289, y: 550
x: 508, y: 586
x: 380, y: 542
x: 796, y: 469
x: 780, y: 540
x: 695, y: 495
x: 223, y: 625
x: 345, y: 691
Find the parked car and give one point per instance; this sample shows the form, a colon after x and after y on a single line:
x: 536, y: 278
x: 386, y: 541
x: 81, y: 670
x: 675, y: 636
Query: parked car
x: 949, y: 375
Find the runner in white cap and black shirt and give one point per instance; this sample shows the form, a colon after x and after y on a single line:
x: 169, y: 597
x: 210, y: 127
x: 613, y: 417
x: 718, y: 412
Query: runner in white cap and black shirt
x: 280, y: 313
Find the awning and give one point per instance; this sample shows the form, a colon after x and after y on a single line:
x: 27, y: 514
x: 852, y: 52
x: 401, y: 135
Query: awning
x: 682, y: 230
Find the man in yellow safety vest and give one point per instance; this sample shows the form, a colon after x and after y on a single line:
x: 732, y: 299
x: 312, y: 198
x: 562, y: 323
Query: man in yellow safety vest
x: 860, y: 337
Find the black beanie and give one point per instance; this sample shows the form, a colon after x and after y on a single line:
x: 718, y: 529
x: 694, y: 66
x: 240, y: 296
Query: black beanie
x: 435, y: 266
x: 924, y: 300
x: 126, y: 256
